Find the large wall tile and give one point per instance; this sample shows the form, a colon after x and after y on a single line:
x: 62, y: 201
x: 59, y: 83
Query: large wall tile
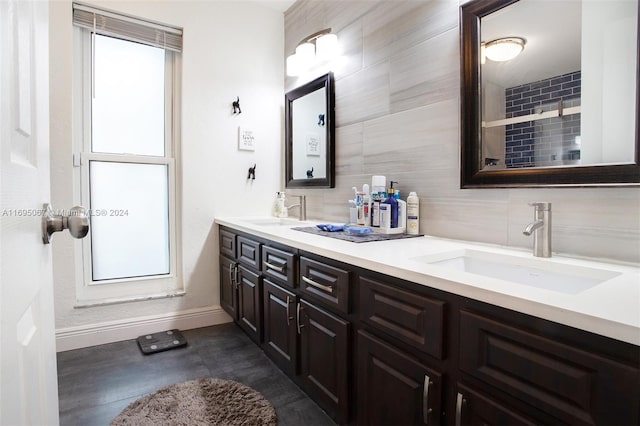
x: 397, y: 107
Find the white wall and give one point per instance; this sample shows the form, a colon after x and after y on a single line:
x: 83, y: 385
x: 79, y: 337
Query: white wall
x: 231, y: 48
x: 398, y: 114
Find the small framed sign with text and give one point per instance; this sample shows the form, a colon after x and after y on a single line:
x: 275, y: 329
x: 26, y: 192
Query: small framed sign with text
x: 246, y: 140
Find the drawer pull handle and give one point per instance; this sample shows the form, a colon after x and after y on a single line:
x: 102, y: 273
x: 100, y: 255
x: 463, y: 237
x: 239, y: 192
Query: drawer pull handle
x: 425, y: 400
x: 231, y: 277
x: 312, y: 283
x: 276, y: 268
x: 459, y: 401
x: 289, y: 318
x: 300, y: 326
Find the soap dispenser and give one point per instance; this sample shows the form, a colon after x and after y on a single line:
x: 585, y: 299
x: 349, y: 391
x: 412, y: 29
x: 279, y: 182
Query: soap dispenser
x: 279, y: 209
x: 393, y: 205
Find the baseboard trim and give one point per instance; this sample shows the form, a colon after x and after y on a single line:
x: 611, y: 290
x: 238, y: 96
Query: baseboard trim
x: 114, y: 331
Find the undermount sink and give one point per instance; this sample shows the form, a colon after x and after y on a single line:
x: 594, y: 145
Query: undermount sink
x: 273, y: 221
x: 563, y: 278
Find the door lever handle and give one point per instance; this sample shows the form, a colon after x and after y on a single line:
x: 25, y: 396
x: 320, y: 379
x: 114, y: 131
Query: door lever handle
x: 77, y: 222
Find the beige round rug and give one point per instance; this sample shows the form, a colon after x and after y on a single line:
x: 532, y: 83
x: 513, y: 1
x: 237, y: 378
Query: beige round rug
x: 200, y: 402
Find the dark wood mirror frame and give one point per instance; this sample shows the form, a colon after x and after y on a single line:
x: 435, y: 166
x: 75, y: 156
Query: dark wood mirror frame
x: 326, y: 81
x: 471, y: 131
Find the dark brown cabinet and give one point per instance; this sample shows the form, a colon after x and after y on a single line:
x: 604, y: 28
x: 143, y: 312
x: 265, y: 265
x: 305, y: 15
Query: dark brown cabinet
x: 394, y: 388
x: 324, y: 359
x: 280, y: 327
x: 372, y: 349
x: 250, y: 303
x: 404, y: 315
x: 280, y: 266
x: 228, y: 288
x: 571, y: 384
x: 473, y: 408
x: 326, y: 283
x: 241, y: 282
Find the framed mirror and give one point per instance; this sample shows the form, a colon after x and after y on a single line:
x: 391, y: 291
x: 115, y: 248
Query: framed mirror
x: 564, y: 112
x: 309, y: 134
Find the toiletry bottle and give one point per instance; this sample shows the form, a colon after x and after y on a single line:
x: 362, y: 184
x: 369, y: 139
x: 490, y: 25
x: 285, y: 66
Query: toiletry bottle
x: 360, y: 207
x: 278, y: 204
x: 353, y: 212
x: 385, y: 216
x: 366, y: 208
x: 402, y: 210
x: 378, y: 186
x: 413, y: 214
x: 394, y: 205
x: 375, y: 210
x: 284, y: 212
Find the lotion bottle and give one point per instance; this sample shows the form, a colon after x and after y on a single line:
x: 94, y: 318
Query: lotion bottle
x: 413, y: 214
x: 402, y: 210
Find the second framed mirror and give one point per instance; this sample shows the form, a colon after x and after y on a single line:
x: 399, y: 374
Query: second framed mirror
x: 309, y: 134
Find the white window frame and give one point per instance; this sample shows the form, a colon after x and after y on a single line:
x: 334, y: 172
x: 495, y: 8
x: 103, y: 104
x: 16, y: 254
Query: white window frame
x: 90, y: 292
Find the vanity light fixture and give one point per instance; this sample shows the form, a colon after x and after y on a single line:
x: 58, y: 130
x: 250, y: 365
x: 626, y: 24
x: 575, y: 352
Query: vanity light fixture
x: 502, y: 49
x: 316, y: 48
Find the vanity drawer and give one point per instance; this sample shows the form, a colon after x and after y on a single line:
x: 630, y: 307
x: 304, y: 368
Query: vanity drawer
x: 249, y: 252
x: 279, y: 266
x: 326, y: 283
x: 228, y: 244
x: 573, y: 385
x: 407, y: 316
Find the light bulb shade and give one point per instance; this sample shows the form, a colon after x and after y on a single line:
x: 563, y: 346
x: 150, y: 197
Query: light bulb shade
x: 293, y: 65
x: 306, y: 53
x: 504, y: 49
x: 327, y: 47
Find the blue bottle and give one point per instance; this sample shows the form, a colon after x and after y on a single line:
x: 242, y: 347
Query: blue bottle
x: 391, y: 200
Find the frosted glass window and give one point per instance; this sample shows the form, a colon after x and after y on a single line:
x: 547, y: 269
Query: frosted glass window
x: 130, y: 219
x: 128, y: 106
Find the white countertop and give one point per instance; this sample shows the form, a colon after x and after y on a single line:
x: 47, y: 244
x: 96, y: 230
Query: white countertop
x: 611, y: 308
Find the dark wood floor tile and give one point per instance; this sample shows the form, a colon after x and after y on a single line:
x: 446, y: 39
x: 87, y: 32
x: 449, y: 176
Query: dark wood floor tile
x: 96, y: 383
x: 303, y: 412
x: 127, y: 376
x: 98, y: 415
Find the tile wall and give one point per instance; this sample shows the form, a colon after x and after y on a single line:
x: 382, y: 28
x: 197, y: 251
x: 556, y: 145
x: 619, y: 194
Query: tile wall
x: 398, y: 114
x: 546, y: 142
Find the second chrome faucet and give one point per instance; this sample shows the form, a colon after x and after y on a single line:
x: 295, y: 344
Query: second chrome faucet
x: 303, y: 206
x: 540, y: 228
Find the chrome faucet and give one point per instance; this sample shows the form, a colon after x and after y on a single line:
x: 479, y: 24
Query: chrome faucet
x: 541, y: 229
x: 303, y: 206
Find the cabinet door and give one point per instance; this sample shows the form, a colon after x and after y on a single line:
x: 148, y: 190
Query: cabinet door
x: 324, y: 352
x: 473, y: 408
x: 280, y: 336
x: 250, y: 303
x: 573, y: 385
x: 393, y: 388
x: 228, y: 289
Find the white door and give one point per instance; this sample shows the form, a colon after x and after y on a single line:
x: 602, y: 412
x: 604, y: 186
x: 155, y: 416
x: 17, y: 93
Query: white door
x: 28, y: 378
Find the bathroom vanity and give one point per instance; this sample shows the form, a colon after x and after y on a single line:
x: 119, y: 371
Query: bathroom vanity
x: 398, y: 332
